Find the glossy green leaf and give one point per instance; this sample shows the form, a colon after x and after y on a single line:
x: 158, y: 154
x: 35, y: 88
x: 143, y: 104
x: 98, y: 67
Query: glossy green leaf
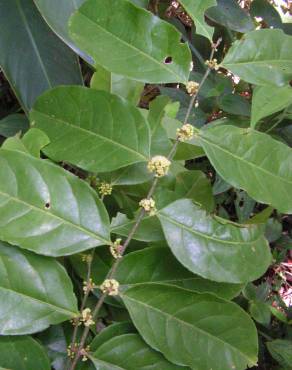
x: 260, y: 312
x: 131, y: 175
x: 110, y: 332
x: 265, y: 10
x: 195, y: 185
x: 57, y: 14
x: 281, y: 350
x: 228, y: 13
x: 46, y: 209
x: 45, y: 61
x: 197, y: 9
x: 160, y: 266
x: 22, y: 353
x: 234, y: 104
x: 129, y: 89
x: 149, y: 229
x: 193, y: 329
x: 160, y: 144
x: 213, y: 248
x: 129, y: 352
x: 91, y: 129
x: 267, y: 100
x: 262, y: 57
x: 252, y: 161
x: 35, y: 292
x: 130, y: 41
x: 13, y: 124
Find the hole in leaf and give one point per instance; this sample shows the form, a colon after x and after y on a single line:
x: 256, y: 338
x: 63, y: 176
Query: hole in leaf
x: 290, y: 83
x: 47, y: 205
x: 168, y: 60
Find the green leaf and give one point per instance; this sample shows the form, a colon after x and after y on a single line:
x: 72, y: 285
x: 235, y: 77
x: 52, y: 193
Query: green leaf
x: 130, y: 41
x: 281, y: 350
x: 13, y: 124
x: 149, y: 229
x: 160, y: 266
x: 45, y: 61
x: 195, y: 185
x: 91, y: 129
x: 46, y: 209
x: 213, y: 249
x: 57, y: 14
x: 267, y: 100
x: 234, y: 104
x: 252, y: 161
x: 160, y: 144
x: 35, y: 292
x: 196, y: 10
x: 22, y: 353
x: 129, y: 352
x: 228, y: 13
x: 262, y: 57
x: 265, y: 10
x: 260, y: 312
x: 129, y: 89
x: 193, y: 329
x: 110, y: 332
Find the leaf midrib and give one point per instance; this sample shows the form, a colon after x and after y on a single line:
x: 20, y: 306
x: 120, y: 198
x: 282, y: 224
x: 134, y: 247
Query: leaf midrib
x: 190, y: 325
x: 287, y: 61
x: 210, y: 142
x: 207, y: 236
x: 115, y: 143
x: 52, y: 215
x: 54, y: 308
x: 147, y: 56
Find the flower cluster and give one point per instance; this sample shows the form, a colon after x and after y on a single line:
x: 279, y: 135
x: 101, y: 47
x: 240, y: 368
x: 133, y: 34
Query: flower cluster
x: 88, y: 286
x: 105, y: 189
x: 192, y: 87
x: 110, y: 287
x: 159, y: 165
x: 212, y: 64
x: 86, y: 317
x: 148, y: 205
x: 84, y: 353
x: 87, y: 258
x: 116, y: 248
x: 186, y: 132
x: 72, y: 350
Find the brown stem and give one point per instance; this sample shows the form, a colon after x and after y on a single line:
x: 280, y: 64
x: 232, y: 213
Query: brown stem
x: 140, y: 216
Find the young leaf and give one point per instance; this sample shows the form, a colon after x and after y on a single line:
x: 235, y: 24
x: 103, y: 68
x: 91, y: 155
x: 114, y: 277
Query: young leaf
x: 252, y: 161
x: 160, y: 266
x: 111, y: 331
x: 91, y: 129
x: 45, y: 61
x: 35, y: 292
x: 262, y: 57
x: 267, y: 100
x: 194, y: 185
x: 183, y: 324
x: 196, y: 10
x: 46, y: 209
x: 129, y: 89
x: 130, y: 41
x: 23, y: 353
x: 217, y: 250
x: 129, y: 352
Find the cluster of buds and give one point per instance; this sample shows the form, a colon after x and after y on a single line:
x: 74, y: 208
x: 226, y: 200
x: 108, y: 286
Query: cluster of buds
x: 116, y: 248
x: 212, y: 64
x: 88, y: 286
x: 86, y: 317
x: 159, y: 165
x: 72, y: 350
x: 186, y: 132
x: 75, y: 321
x: 148, y: 205
x: 192, y: 87
x: 84, y: 353
x: 110, y: 287
x: 105, y: 188
x: 87, y: 258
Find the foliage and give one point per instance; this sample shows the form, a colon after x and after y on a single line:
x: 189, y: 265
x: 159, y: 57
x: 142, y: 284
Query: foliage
x: 145, y: 185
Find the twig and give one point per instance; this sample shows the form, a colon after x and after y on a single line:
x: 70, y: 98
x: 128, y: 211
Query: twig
x: 140, y: 216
